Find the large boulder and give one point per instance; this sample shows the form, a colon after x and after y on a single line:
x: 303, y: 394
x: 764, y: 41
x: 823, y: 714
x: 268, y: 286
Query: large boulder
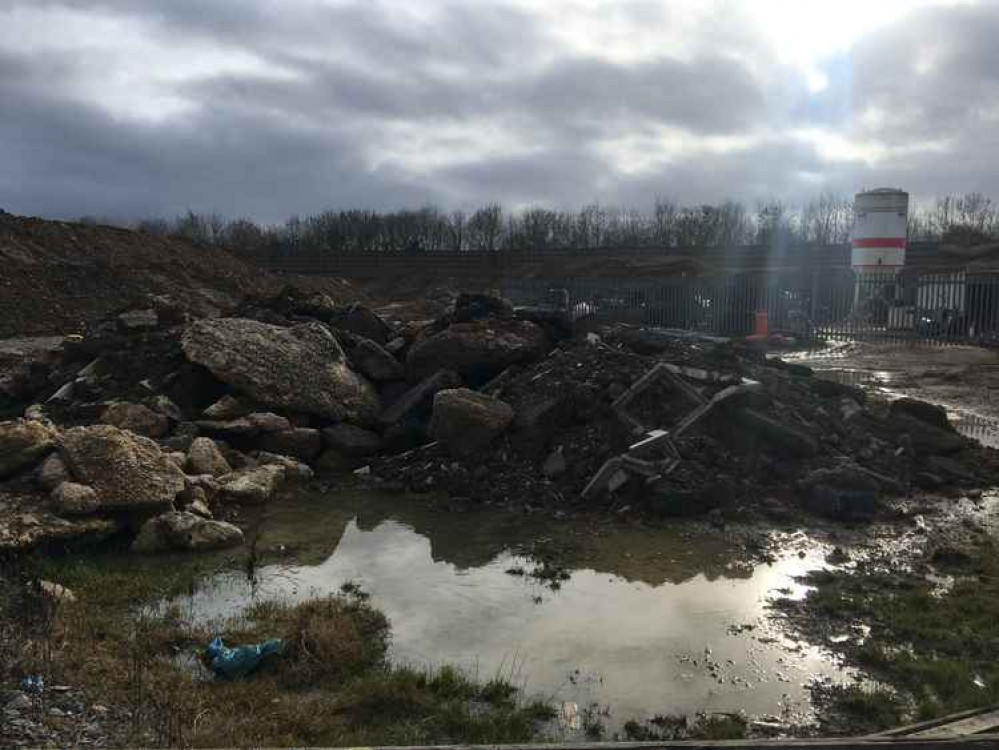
x: 251, y: 486
x: 301, y: 368
x: 204, y: 457
x: 465, y: 421
x: 351, y: 440
x: 478, y: 350
x: 128, y: 471
x: 23, y: 443
x: 25, y: 525
x: 180, y: 530
x: 301, y: 442
x: 373, y: 361
x: 136, y: 418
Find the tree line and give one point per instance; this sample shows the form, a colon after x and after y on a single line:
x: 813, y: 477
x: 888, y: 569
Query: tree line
x: 970, y: 218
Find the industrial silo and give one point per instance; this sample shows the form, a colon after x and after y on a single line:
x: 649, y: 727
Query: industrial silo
x: 880, y: 220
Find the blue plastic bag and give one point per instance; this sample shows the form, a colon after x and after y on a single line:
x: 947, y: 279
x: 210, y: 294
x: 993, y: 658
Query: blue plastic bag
x: 33, y: 683
x: 239, y: 661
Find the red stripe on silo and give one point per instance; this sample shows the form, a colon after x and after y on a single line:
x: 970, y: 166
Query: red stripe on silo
x: 880, y: 242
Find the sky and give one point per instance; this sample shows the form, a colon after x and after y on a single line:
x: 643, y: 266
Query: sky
x: 268, y: 108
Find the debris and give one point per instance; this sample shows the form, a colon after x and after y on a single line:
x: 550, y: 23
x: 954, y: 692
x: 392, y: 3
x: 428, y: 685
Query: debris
x: 240, y: 661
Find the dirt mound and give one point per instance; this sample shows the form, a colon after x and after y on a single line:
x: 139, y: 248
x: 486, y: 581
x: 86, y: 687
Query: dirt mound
x: 58, y: 276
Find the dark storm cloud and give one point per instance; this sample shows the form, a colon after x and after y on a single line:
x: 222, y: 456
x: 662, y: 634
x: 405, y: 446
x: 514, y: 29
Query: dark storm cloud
x: 379, y: 105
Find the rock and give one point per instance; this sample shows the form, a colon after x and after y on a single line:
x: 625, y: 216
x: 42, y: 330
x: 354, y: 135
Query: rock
x: 233, y: 428
x: 465, y: 421
x: 268, y: 422
x: 479, y: 350
x: 128, y: 472
x: 396, y: 345
x: 930, y: 414
x: 178, y: 457
x: 23, y: 443
x: 192, y: 494
x: 24, y: 525
x: 301, y: 368
x: 51, y: 473
x: 138, y: 320
x: 72, y: 499
x: 204, y: 457
x: 182, y: 437
x: 293, y: 470
x: 418, y: 401
x: 249, y: 426
x: 251, y: 486
x: 19, y: 702
x: 927, y: 440
x: 185, y: 531
x: 554, y: 465
x: 371, y: 360
x: 301, y: 442
x: 199, y: 508
x: 206, y: 483
x: 352, y: 440
x: 57, y: 592
x: 475, y: 306
x: 165, y: 406
x: 228, y: 407
x: 136, y: 418
x: 362, y: 321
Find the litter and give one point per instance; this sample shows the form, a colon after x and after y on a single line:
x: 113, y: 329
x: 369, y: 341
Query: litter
x: 33, y: 683
x: 239, y: 661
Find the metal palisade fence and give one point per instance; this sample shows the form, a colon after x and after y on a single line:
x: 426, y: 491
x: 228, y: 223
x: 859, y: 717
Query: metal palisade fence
x: 819, y: 304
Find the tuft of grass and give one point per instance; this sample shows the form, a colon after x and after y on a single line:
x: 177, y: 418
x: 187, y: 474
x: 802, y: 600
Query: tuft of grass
x: 670, y: 727
x: 332, y: 684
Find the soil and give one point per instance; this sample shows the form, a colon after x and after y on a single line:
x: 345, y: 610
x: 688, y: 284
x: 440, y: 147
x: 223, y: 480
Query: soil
x: 56, y: 277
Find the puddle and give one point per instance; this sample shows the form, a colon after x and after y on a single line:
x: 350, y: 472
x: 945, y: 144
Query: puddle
x: 664, y: 621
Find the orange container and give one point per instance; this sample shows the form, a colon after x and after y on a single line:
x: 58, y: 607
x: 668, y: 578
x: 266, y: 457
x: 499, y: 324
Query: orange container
x: 762, y: 325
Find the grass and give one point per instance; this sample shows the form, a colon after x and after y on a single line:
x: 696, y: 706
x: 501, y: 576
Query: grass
x: 936, y: 650
x: 331, y: 685
x: 670, y: 727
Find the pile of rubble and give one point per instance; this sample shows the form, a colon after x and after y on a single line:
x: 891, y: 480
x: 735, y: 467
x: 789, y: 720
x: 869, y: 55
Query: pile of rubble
x: 160, y: 426
x: 672, y: 424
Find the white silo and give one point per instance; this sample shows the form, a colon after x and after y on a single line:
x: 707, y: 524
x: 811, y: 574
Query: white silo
x: 880, y: 219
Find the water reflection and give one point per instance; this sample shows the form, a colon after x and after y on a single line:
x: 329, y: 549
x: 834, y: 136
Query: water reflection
x: 636, y: 628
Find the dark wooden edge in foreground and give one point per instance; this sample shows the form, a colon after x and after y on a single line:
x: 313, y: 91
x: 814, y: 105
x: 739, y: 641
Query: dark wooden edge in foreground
x: 905, y: 743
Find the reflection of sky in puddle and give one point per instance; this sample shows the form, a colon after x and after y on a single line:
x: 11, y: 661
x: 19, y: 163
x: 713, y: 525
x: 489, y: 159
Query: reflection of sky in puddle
x: 635, y: 647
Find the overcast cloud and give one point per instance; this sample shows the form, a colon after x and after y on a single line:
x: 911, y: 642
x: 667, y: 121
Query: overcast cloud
x: 265, y: 108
